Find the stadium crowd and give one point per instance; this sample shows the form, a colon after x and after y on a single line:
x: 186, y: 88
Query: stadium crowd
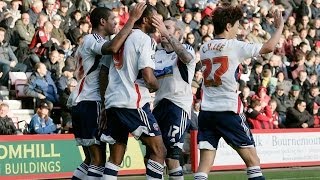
x: 278, y: 90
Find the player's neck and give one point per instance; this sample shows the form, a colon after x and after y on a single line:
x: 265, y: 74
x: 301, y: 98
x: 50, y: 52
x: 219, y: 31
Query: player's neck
x: 223, y: 35
x: 142, y: 28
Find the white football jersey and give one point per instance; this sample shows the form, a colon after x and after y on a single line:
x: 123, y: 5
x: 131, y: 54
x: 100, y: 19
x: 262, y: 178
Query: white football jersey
x: 174, y: 78
x: 220, y: 60
x: 88, y: 84
x: 126, y: 87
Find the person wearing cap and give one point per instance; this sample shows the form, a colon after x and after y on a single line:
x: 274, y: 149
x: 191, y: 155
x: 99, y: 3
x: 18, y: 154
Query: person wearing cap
x: 294, y: 94
x: 41, y: 123
x: 298, y: 116
x: 57, y: 32
x: 64, y: 13
x: 67, y: 74
x: 282, y: 101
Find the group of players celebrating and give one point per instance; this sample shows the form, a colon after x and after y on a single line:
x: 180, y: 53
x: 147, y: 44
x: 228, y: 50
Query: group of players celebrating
x: 137, y: 66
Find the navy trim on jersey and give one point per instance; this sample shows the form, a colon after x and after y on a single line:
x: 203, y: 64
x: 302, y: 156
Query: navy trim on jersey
x: 183, y: 69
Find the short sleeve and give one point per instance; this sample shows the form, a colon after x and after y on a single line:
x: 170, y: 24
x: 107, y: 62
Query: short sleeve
x: 97, y: 43
x: 247, y: 50
x: 147, y: 53
x: 191, y: 51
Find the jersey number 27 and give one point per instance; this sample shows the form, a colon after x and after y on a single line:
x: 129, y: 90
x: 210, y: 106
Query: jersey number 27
x: 216, y: 81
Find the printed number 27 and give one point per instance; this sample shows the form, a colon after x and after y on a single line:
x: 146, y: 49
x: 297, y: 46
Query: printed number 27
x: 216, y: 81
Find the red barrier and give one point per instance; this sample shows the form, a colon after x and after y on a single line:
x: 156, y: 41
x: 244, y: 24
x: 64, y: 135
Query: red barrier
x: 194, y: 150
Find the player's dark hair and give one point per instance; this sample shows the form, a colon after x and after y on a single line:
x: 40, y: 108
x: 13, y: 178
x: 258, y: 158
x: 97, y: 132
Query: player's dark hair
x: 146, y: 13
x: 224, y: 15
x: 97, y: 14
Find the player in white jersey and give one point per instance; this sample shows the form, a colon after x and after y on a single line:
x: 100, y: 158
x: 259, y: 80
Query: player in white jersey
x: 221, y: 112
x: 175, y: 66
x: 85, y: 99
x: 127, y: 100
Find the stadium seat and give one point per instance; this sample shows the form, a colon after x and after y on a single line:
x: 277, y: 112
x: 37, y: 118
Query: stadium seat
x: 14, y: 76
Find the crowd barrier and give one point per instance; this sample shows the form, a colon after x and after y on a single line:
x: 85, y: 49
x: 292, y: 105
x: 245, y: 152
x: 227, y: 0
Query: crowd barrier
x: 56, y: 156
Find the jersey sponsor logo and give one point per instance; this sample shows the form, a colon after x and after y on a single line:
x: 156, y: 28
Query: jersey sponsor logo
x: 155, y: 126
x: 161, y: 73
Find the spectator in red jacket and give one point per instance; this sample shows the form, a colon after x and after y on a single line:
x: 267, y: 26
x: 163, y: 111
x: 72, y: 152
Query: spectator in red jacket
x: 316, y: 115
x: 258, y: 117
x: 275, y: 114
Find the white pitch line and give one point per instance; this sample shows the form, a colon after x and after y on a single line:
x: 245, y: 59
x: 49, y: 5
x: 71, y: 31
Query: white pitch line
x: 302, y: 178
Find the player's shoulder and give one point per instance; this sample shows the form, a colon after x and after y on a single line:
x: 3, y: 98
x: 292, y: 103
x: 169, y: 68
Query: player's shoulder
x: 92, y: 38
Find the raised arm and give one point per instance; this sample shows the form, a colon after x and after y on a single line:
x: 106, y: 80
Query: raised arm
x: 177, y: 46
x: 115, y: 44
x: 271, y: 44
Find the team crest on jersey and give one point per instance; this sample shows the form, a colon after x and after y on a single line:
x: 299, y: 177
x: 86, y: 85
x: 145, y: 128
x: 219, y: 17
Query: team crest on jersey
x: 155, y: 126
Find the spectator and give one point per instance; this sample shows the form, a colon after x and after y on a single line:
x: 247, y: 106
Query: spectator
x: 298, y: 117
x: 187, y: 18
x: 315, y: 9
x: 41, y: 123
x: 6, y: 124
x: 312, y: 97
x: 255, y: 78
x: 15, y: 12
x: 268, y: 25
x: 262, y: 96
x: 52, y: 65
x: 316, y: 116
x: 302, y: 82
x: 42, y: 87
x: 42, y: 42
x: 77, y: 32
x: 258, y: 35
x: 66, y: 111
x: 282, y: 101
x: 259, y: 117
x: 290, y: 25
x: 304, y: 24
x: 50, y: 10
x: 8, y: 60
x: 67, y: 75
x: 35, y: 11
x: 83, y: 6
x: 65, y: 16
x: 57, y: 32
x: 25, y: 30
x: 275, y: 115
x: 167, y: 9
x: 245, y: 98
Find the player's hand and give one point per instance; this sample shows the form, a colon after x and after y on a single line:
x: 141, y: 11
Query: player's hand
x: 158, y: 23
x: 276, y: 123
x: 137, y: 11
x: 278, y: 19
